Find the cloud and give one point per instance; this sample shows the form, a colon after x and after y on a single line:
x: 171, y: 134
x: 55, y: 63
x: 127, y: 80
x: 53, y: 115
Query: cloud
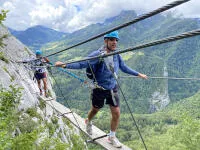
x: 16, y: 11
x: 71, y: 15
x: 46, y: 14
x: 190, y: 9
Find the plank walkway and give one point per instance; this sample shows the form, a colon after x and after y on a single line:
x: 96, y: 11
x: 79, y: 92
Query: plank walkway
x: 74, y: 118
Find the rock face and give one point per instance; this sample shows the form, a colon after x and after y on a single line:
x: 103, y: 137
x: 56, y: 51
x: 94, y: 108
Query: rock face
x: 21, y: 76
x: 12, y: 73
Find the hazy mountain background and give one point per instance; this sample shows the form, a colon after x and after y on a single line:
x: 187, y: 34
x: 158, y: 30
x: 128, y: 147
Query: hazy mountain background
x: 36, y: 36
x: 174, y: 104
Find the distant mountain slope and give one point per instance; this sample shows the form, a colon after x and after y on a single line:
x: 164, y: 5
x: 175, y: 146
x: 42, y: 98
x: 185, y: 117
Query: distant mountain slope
x: 198, y: 20
x: 36, y: 36
x: 176, y: 127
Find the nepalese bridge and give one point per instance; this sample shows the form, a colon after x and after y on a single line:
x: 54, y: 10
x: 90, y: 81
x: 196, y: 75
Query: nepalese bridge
x: 99, y: 136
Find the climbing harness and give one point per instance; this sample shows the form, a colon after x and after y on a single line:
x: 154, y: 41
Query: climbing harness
x: 90, y: 72
x: 94, y: 84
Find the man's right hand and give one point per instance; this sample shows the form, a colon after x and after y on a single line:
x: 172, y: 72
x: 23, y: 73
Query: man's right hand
x: 60, y: 64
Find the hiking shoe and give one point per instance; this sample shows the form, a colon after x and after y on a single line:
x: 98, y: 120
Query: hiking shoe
x: 40, y: 92
x: 88, y: 126
x: 46, y: 93
x: 114, y: 141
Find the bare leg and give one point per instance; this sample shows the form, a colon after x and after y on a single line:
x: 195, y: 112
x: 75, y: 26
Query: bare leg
x: 45, y: 85
x: 115, y: 111
x: 93, y: 111
x: 39, y: 86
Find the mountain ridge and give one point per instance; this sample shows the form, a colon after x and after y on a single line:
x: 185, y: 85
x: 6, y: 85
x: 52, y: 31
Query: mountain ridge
x: 36, y: 36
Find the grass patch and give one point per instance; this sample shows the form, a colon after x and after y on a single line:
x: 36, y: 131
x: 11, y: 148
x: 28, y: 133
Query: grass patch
x: 54, y: 120
x: 3, y: 15
x: 9, y: 100
x: 33, y: 113
x: 78, y: 144
x: 67, y: 122
x: 26, y: 49
x: 27, y: 125
x: 1, y: 40
x: 51, y: 128
x: 42, y: 104
x: 53, y: 143
x: 12, y: 77
x: 3, y: 58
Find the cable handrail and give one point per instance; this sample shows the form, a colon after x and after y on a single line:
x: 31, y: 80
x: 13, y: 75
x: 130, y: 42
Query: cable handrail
x: 140, y: 18
x: 141, y: 46
x: 167, y: 77
x: 78, y: 126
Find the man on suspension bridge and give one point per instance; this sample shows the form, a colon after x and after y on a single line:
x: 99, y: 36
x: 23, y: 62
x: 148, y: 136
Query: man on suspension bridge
x: 38, y: 65
x: 104, y: 72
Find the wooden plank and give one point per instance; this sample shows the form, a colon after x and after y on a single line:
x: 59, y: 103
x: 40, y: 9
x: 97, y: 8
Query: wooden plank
x: 74, y: 118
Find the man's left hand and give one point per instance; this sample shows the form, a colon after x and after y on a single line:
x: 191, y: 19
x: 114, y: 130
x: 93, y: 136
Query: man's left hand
x: 143, y: 76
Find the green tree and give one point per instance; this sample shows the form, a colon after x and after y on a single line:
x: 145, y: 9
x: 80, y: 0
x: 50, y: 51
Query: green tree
x: 3, y: 15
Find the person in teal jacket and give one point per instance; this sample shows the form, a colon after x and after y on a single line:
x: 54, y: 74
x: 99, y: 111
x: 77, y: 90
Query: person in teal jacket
x: 105, y: 73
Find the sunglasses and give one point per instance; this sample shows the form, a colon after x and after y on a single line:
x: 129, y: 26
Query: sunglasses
x: 113, y: 39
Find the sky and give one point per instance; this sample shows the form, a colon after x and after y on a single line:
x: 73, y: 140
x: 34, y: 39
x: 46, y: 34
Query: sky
x: 72, y: 15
